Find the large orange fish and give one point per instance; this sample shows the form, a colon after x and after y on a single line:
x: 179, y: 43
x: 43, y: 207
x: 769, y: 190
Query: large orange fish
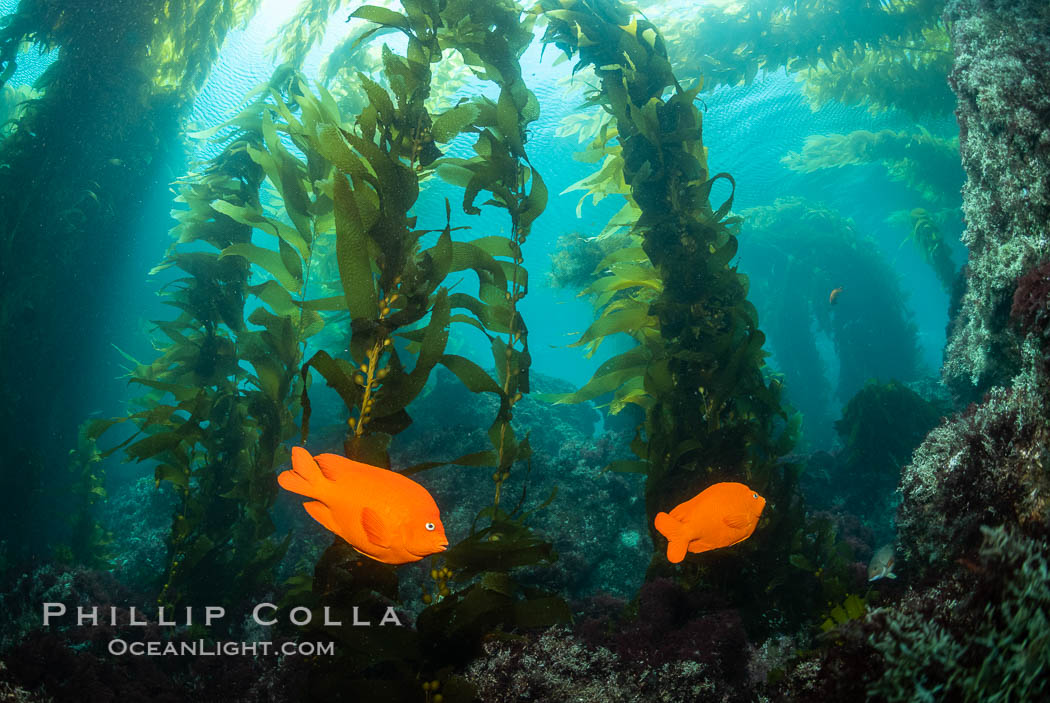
x: 719, y: 516
x: 382, y: 514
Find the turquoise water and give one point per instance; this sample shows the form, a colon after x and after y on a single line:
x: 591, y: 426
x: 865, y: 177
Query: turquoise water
x: 748, y: 130
x: 187, y: 512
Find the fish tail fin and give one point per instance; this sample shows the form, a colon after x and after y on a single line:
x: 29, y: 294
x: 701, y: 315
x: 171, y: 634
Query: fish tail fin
x: 674, y: 531
x: 305, y: 477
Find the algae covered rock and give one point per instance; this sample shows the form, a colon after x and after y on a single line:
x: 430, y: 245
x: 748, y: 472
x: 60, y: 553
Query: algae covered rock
x: 1000, y: 77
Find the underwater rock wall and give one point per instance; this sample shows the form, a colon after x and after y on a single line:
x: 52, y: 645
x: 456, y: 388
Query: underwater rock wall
x: 975, y: 500
x: 983, y: 467
x: 975, y: 513
x: 1002, y: 81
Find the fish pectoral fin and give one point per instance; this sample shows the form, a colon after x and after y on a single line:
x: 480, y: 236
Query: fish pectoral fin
x: 737, y: 521
x: 322, y: 513
x: 676, y: 550
x: 374, y: 528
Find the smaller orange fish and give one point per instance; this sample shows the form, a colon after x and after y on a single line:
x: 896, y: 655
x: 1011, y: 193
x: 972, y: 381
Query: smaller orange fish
x: 719, y: 516
x: 381, y: 513
x: 834, y: 296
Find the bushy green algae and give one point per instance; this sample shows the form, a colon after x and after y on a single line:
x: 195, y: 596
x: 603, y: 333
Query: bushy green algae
x: 1001, y: 652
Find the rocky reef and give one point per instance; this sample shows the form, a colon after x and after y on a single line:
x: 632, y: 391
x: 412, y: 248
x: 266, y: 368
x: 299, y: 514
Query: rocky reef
x: 975, y: 499
x: 669, y: 645
x: 1000, y: 78
x: 987, y: 466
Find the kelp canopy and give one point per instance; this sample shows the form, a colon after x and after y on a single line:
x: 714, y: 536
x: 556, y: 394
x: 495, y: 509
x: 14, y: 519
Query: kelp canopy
x: 878, y: 53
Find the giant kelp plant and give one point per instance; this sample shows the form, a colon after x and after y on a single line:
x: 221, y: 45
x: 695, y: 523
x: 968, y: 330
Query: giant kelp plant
x: 360, y: 180
x: 811, y: 251
x: 230, y: 360
x: 711, y: 414
x: 97, y: 136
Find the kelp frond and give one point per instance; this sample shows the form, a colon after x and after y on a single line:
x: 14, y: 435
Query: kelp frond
x: 926, y: 163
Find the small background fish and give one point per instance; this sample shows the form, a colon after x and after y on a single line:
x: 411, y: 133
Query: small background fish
x: 882, y: 563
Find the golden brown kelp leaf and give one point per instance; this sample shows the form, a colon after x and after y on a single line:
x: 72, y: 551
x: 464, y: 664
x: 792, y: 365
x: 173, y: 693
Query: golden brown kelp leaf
x: 237, y: 382
x: 355, y: 270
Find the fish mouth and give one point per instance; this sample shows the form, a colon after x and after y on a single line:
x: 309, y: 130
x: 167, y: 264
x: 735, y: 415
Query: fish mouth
x: 437, y: 548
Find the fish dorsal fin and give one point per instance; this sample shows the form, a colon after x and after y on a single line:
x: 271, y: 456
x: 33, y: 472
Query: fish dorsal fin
x: 333, y: 466
x: 681, y: 512
x: 321, y: 512
x: 374, y: 528
x: 737, y: 521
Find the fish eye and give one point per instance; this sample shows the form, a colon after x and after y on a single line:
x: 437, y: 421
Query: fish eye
x: 755, y: 496
x: 429, y: 526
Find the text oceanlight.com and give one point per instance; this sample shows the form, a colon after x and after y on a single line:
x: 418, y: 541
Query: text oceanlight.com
x: 202, y: 648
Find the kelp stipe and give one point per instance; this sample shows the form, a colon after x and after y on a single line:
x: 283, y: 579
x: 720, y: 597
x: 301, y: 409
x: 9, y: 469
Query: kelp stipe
x: 392, y: 288
x: 232, y: 376
x: 709, y: 369
x: 87, y: 149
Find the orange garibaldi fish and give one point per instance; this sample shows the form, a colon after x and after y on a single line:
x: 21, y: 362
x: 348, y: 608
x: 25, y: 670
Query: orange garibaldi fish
x: 719, y: 516
x: 382, y: 514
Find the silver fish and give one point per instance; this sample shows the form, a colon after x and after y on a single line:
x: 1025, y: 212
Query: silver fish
x: 881, y: 564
